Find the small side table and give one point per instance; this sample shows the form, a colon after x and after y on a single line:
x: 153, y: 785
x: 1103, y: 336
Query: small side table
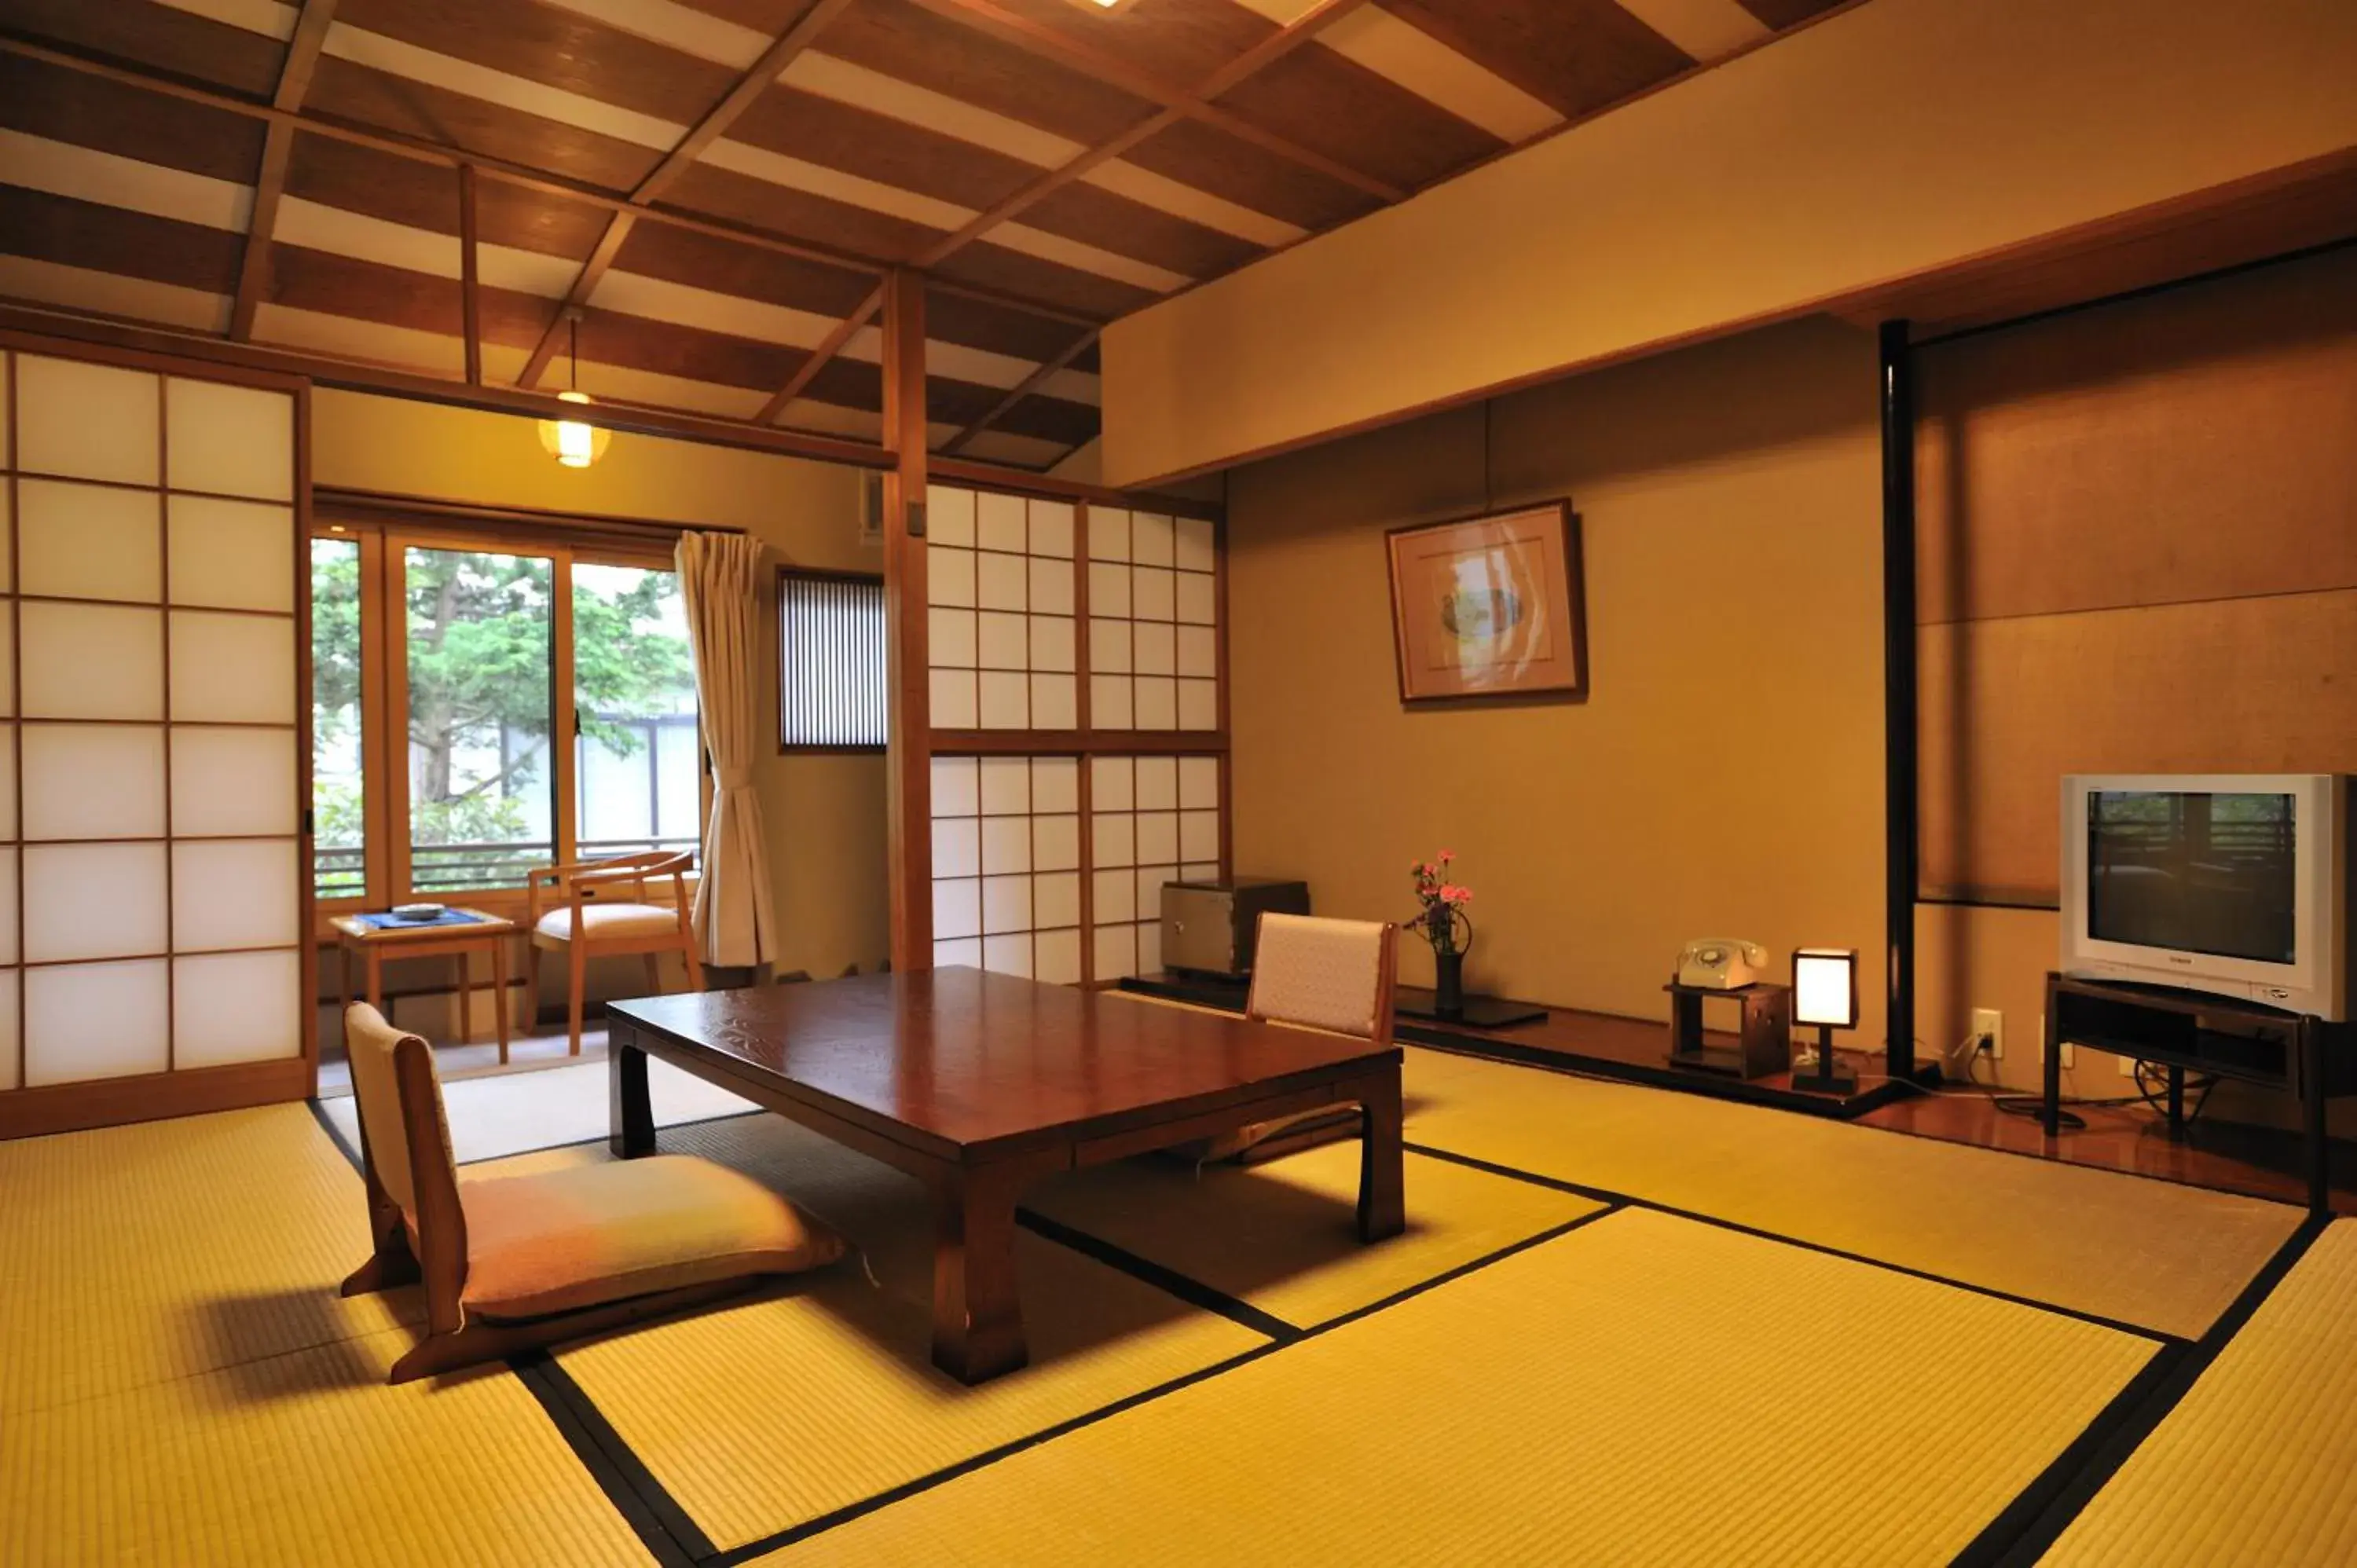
x: 481, y: 932
x: 1764, y: 1045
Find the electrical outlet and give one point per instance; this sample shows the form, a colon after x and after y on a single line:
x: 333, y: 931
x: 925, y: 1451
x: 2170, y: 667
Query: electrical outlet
x: 1988, y: 1024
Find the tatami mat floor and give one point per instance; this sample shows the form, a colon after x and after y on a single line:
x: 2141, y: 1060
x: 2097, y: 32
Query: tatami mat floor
x: 1624, y: 1325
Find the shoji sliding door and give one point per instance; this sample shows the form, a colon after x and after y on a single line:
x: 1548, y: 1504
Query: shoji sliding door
x: 1079, y: 746
x: 153, y: 907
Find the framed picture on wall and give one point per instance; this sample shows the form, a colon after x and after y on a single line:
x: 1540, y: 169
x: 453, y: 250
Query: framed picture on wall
x: 1490, y: 606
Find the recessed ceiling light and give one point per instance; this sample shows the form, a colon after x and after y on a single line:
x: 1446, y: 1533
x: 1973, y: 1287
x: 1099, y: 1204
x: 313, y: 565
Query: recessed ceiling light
x: 1104, y: 5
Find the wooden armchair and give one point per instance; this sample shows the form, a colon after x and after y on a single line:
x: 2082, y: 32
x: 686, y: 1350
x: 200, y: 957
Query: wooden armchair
x: 569, y: 908
x: 514, y: 1262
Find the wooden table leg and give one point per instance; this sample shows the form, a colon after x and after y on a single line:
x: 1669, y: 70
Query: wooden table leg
x: 375, y: 961
x: 632, y: 1116
x: 500, y: 992
x: 344, y: 965
x: 1383, y: 1204
x: 978, y: 1317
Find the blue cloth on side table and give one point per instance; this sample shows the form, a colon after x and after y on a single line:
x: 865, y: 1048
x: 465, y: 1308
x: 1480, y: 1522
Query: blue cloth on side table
x: 447, y: 917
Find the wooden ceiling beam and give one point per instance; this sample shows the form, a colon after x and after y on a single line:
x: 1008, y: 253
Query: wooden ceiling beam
x: 303, y: 48
x: 756, y: 80
x: 1048, y: 43
x: 470, y: 293
x: 36, y: 323
x: 519, y: 178
x: 1046, y: 185
x: 585, y: 284
x: 1269, y: 50
x: 1022, y: 390
x: 821, y: 357
x: 717, y: 120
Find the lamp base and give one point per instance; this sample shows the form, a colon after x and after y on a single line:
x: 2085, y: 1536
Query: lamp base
x: 1837, y: 1080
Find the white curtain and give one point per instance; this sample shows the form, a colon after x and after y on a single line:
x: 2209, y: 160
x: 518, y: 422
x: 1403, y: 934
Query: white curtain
x: 720, y: 574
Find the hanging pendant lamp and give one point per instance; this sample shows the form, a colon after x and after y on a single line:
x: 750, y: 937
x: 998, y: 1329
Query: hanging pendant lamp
x: 574, y: 443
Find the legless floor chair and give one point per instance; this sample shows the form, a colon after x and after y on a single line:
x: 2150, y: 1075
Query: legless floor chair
x: 514, y: 1262
x: 1334, y: 975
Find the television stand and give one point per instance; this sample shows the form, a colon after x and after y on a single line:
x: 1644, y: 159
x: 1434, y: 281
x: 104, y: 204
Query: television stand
x: 2194, y: 1031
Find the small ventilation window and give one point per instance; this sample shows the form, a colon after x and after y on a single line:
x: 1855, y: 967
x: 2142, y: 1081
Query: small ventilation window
x: 831, y: 660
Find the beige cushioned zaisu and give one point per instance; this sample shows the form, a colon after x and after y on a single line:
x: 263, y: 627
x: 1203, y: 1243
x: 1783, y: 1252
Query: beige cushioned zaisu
x: 560, y: 1241
x: 563, y: 1240
x: 1317, y: 971
x: 612, y: 920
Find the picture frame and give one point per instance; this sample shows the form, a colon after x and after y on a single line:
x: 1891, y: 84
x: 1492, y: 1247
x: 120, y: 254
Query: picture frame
x: 1491, y: 608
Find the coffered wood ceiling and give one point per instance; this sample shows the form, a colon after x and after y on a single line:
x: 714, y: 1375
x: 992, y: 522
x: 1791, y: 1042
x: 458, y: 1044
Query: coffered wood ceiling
x: 716, y: 186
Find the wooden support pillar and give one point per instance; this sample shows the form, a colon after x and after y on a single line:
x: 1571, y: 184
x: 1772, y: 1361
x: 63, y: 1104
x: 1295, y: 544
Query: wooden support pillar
x: 1897, y: 372
x: 909, y: 759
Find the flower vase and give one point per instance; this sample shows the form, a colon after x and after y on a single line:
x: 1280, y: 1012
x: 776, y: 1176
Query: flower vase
x: 1448, y: 982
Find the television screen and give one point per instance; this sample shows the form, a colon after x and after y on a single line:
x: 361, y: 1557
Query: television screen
x: 2195, y: 871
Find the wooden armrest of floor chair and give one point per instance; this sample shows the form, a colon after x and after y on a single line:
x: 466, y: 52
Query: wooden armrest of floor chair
x: 1334, y: 976
x: 512, y: 1262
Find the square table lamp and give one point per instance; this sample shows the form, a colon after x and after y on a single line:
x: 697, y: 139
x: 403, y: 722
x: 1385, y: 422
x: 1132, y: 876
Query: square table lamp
x: 1824, y: 993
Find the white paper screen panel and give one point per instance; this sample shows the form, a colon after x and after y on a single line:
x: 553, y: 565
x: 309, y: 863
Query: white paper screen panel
x: 1152, y: 622
x: 151, y: 896
x: 1007, y: 865
x: 93, y: 781
x: 235, y: 555
x: 11, y: 1056
x: 230, y: 441
x: 87, y: 421
x: 9, y: 904
x: 1152, y: 819
x: 236, y: 1007
x: 232, y: 783
x: 89, y: 901
x: 1002, y: 584
x: 232, y: 669
x: 91, y: 662
x: 97, y: 1020
x: 89, y: 542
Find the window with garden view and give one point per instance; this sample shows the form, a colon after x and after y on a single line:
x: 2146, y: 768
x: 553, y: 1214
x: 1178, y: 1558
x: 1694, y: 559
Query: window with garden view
x: 482, y: 660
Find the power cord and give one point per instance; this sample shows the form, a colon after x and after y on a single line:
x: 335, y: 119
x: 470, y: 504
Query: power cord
x: 2147, y: 1092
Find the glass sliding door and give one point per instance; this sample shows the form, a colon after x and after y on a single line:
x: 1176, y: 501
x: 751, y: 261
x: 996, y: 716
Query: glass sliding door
x: 638, y: 773
x: 479, y: 653
x: 339, y: 793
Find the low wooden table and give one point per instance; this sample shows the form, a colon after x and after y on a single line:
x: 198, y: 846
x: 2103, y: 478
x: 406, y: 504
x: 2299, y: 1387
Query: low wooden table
x: 375, y: 944
x: 980, y: 1084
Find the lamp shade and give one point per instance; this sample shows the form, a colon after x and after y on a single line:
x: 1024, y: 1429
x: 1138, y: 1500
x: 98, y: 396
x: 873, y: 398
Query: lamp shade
x: 1825, y: 986
x: 576, y: 443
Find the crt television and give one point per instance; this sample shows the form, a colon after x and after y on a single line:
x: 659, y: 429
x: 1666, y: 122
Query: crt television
x: 2229, y: 883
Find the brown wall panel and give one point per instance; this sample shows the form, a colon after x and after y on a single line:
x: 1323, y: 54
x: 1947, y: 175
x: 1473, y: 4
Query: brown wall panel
x: 2192, y: 444
x: 2009, y: 706
x: 2139, y: 554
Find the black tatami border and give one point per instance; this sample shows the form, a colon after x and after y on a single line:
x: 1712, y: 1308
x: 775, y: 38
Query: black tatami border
x: 738, y: 1555
x: 654, y: 1516
x: 2036, y: 1517
x: 1169, y: 1281
x: 2018, y: 1534
x: 1604, y: 1194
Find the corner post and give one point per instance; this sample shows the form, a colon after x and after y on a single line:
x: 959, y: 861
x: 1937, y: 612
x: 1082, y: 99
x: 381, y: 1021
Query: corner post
x: 1897, y: 385
x: 909, y: 722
